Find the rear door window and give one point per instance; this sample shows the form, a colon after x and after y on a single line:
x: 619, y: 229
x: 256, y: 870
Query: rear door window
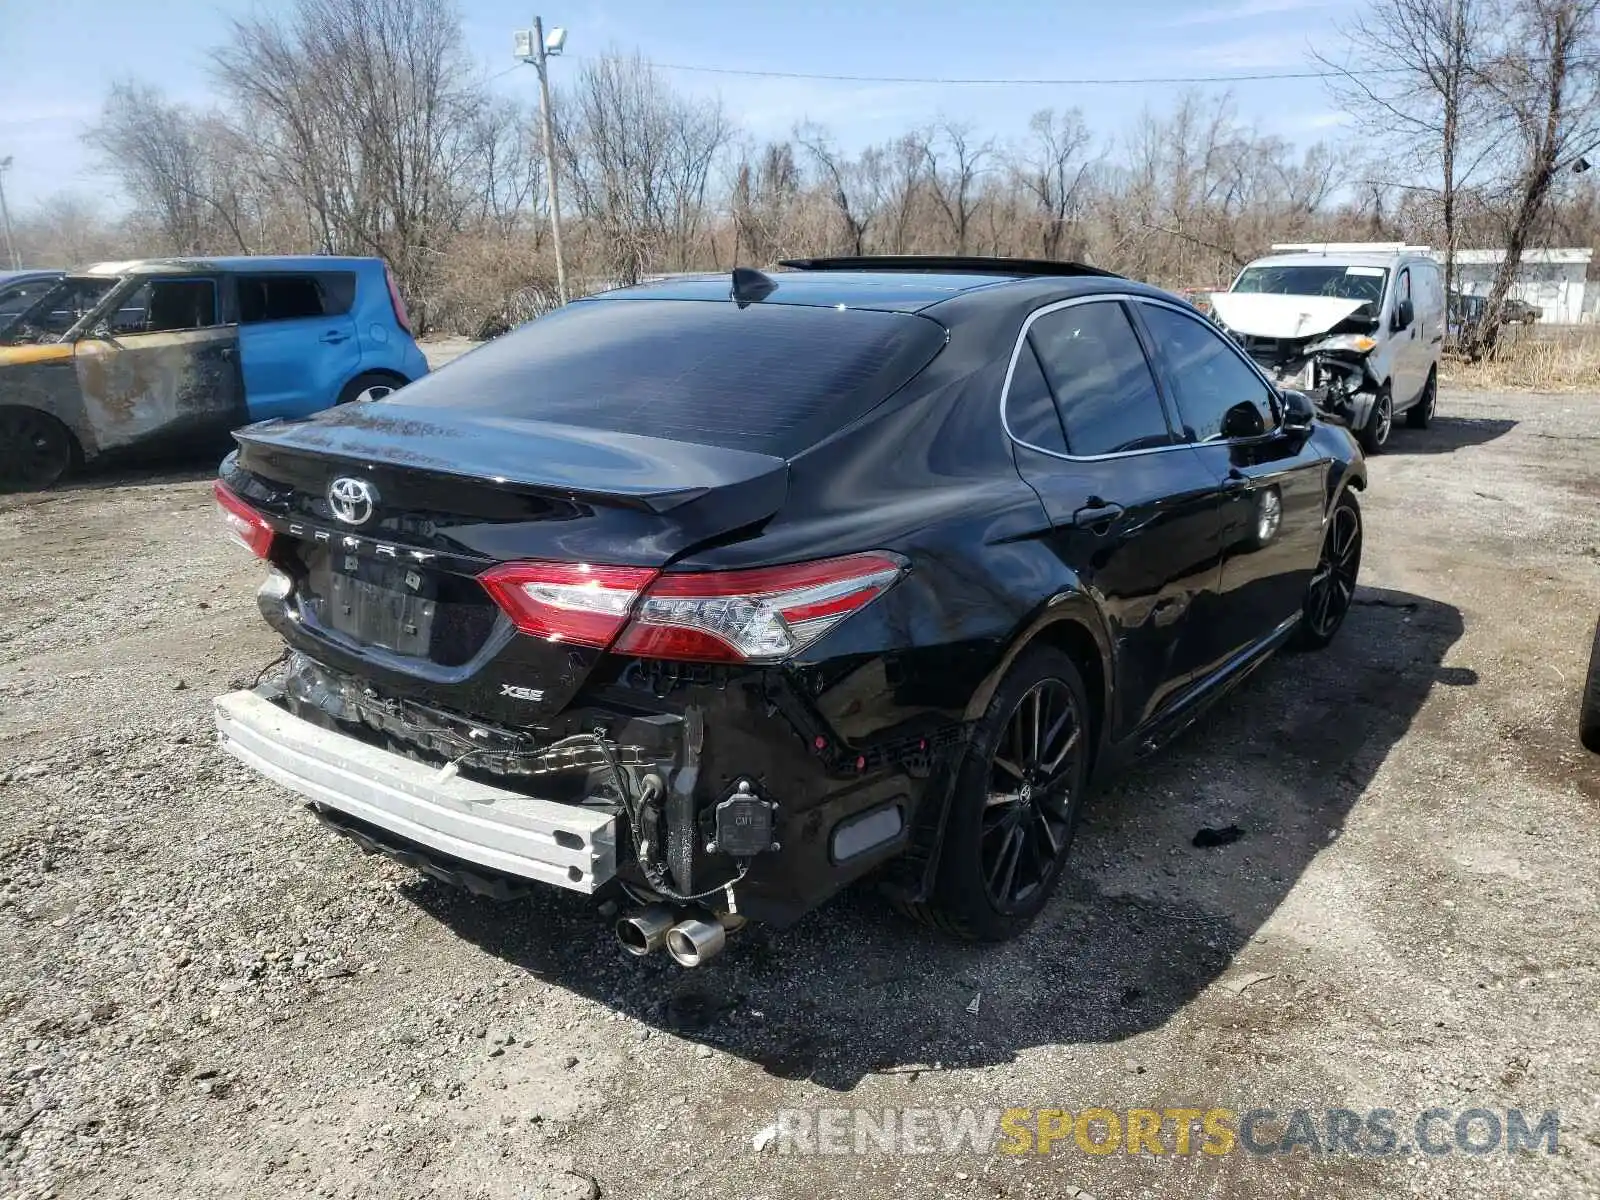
x: 1030, y: 408
x: 771, y: 378
x: 282, y: 296
x: 1103, y: 385
x: 167, y: 306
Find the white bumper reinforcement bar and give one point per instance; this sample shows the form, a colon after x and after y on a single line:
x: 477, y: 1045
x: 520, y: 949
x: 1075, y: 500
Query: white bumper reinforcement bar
x: 506, y: 831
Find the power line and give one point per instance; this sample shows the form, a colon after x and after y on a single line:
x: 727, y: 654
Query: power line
x: 1128, y: 81
x: 1102, y: 81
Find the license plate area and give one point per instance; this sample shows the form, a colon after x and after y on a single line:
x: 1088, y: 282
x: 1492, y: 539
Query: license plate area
x: 389, y: 605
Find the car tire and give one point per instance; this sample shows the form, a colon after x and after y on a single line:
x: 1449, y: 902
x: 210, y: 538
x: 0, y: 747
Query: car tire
x: 374, y: 385
x: 1589, y: 714
x: 1420, y: 414
x: 1332, y: 587
x: 1013, y: 811
x: 1379, y: 422
x: 36, y: 450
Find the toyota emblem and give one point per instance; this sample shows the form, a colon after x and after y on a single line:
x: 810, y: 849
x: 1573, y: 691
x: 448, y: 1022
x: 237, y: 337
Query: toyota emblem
x: 353, y: 501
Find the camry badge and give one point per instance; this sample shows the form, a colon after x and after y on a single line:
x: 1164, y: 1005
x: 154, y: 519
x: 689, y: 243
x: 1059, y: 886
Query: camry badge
x: 353, y: 501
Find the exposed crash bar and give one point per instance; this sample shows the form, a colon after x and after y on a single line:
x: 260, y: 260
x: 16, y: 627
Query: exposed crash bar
x: 561, y: 844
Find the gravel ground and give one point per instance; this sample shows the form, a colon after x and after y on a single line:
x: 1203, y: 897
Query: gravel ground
x: 202, y: 991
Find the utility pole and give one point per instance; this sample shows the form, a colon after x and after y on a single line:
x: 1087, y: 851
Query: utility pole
x: 5, y: 216
x: 533, y: 47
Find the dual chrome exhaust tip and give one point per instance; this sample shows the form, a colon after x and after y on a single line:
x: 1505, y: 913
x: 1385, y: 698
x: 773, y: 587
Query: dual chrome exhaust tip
x: 692, y: 941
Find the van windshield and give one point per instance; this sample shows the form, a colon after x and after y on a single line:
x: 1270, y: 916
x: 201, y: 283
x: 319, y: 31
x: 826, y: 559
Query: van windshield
x: 1344, y: 282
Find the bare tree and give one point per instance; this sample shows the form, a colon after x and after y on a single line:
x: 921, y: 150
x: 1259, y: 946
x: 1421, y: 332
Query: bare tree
x: 1053, y: 170
x: 175, y: 164
x: 361, y: 126
x: 1547, y: 78
x: 955, y: 161
x: 638, y: 158
x: 368, y: 112
x: 1429, y: 100
x: 853, y: 198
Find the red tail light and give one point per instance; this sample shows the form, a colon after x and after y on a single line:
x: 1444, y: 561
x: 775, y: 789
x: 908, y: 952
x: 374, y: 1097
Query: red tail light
x: 763, y: 615
x: 245, y: 525
x: 395, y: 300
x: 567, y: 602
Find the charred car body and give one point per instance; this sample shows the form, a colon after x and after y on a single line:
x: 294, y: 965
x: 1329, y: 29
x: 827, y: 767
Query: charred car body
x: 725, y: 595
x: 160, y: 354
x: 1360, y: 331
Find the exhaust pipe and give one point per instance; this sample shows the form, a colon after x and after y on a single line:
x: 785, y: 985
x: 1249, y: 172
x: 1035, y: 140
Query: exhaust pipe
x: 645, y: 931
x: 693, y: 943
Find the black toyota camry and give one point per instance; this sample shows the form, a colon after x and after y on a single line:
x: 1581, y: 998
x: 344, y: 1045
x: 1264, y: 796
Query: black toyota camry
x: 719, y: 594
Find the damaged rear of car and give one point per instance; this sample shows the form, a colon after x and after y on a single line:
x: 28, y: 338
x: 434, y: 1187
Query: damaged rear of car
x: 1360, y: 332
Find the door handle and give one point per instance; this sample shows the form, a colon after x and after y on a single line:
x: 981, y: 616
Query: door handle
x: 1236, y: 480
x: 227, y: 353
x: 333, y: 337
x: 1097, y: 514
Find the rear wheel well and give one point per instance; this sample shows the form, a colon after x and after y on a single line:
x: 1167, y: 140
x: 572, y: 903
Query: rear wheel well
x: 365, y: 379
x: 1078, y: 644
x: 74, y: 457
x: 383, y: 373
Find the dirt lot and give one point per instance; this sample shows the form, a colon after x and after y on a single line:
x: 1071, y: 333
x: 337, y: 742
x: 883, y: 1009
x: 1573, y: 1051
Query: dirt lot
x: 202, y: 992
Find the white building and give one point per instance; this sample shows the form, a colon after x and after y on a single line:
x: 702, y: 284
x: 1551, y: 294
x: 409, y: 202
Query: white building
x: 1553, y: 281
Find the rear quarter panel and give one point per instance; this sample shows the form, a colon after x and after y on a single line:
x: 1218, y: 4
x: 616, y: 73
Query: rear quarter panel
x: 929, y: 475
x: 385, y: 346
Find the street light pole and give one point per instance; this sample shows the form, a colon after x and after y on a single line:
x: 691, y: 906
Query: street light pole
x: 536, y: 50
x: 5, y: 216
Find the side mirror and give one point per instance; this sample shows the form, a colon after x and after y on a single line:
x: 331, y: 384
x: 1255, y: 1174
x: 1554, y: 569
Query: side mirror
x: 1243, y: 420
x: 1298, y: 412
x: 1404, y: 313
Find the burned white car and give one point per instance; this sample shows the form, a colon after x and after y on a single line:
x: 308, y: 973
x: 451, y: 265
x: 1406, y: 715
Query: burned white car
x: 1359, y: 331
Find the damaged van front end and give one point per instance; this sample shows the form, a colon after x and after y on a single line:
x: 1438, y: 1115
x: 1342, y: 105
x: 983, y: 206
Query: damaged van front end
x: 1323, y: 346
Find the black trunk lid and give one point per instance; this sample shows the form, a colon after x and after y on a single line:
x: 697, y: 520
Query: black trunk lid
x: 395, y: 598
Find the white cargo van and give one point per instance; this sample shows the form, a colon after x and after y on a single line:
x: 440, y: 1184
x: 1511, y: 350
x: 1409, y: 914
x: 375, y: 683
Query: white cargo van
x: 1358, y: 327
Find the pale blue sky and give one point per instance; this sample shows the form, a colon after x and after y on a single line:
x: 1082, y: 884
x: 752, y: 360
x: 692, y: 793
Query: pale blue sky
x: 58, y: 56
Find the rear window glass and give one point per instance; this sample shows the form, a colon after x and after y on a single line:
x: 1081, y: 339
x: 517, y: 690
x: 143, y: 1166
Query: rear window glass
x: 285, y: 297
x: 774, y: 379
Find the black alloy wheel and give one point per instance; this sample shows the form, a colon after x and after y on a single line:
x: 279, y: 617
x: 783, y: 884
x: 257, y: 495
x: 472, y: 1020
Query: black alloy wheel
x: 1014, y: 802
x: 35, y: 450
x: 1333, y: 584
x: 1027, y: 811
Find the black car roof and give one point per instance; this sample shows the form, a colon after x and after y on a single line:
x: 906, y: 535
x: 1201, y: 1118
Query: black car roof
x: 908, y: 284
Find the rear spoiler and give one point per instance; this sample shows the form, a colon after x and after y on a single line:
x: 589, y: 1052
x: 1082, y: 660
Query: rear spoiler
x: 600, y: 466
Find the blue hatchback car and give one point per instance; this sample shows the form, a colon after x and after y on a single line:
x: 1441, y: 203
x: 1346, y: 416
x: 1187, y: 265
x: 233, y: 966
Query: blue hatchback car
x: 147, y: 355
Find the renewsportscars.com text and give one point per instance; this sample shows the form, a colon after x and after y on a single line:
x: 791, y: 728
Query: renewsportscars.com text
x: 1215, y: 1131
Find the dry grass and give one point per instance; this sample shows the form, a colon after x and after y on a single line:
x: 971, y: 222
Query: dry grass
x: 1561, y: 358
